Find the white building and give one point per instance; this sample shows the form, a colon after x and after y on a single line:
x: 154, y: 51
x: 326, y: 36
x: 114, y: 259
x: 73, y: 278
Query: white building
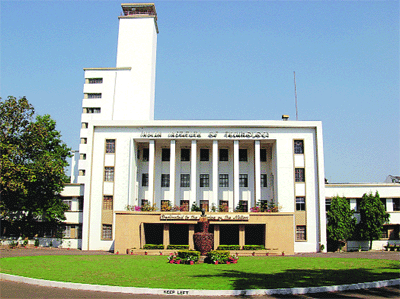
x: 126, y: 158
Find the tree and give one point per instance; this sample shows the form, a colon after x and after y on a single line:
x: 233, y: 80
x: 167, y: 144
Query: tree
x: 372, y: 217
x: 341, y: 221
x: 32, y: 163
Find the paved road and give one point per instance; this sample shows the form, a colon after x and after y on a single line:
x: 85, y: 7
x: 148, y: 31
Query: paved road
x: 10, y: 289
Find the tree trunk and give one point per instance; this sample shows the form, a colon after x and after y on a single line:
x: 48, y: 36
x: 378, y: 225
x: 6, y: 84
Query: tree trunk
x: 370, y: 244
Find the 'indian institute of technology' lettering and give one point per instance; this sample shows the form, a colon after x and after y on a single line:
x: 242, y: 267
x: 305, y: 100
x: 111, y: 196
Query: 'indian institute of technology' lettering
x: 246, y: 135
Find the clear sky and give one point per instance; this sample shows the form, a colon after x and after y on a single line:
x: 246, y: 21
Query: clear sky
x: 228, y: 60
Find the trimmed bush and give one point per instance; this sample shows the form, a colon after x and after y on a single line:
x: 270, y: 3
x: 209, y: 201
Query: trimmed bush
x: 178, y: 247
x: 253, y: 247
x: 189, y: 255
x: 221, y: 256
x: 228, y: 247
x: 153, y: 246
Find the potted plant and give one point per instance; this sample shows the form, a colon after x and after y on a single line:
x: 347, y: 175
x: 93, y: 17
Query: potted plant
x: 283, y: 253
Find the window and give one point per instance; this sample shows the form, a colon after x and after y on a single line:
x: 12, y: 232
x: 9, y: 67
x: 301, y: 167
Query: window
x: 82, y: 172
x: 301, y: 233
x: 299, y: 175
x: 204, y: 154
x: 165, y: 180
x: 396, y: 204
x: 300, y: 203
x: 298, y: 147
x: 82, y: 156
x: 95, y: 80
x: 264, y: 182
x: 383, y: 200
x: 224, y: 180
x: 263, y: 155
x: 185, y: 180
x: 224, y: 154
x: 145, y: 202
x: 94, y: 95
x: 145, y: 179
x: 204, y: 205
x: 67, y: 232
x: 106, y: 232
x: 85, y: 125
x: 185, y: 154
x: 83, y: 140
x: 184, y: 205
x: 145, y: 154
x: 328, y: 204
x: 243, y: 180
x: 243, y: 155
x: 69, y: 204
x: 165, y: 154
x: 80, y: 232
x: 91, y: 110
x: 80, y: 203
x: 204, y: 180
x: 110, y: 146
x: 107, y: 202
x: 108, y: 174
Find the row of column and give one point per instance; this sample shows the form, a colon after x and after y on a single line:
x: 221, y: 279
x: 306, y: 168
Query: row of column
x: 193, y: 170
x: 191, y: 234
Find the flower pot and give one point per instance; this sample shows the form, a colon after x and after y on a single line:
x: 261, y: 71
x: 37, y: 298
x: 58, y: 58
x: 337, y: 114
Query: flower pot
x: 191, y: 262
x: 131, y: 252
x: 283, y: 254
x: 145, y: 253
x: 160, y: 253
x: 216, y: 263
x: 253, y: 254
x: 267, y: 254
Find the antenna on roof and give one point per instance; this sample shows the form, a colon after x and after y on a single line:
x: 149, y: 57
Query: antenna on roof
x: 295, y: 95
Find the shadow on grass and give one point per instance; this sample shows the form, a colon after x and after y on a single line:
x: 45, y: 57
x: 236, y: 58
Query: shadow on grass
x: 297, y: 278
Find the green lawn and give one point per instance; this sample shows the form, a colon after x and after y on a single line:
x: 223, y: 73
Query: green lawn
x: 155, y: 272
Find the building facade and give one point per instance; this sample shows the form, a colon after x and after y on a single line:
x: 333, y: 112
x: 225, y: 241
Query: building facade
x: 129, y: 162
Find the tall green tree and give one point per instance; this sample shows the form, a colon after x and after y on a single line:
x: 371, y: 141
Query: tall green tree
x: 372, y: 217
x: 33, y: 158
x: 341, y: 222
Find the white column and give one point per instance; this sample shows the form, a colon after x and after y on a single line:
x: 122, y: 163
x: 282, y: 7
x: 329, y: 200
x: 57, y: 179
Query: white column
x: 193, y: 173
x: 257, y: 170
x: 215, y: 179
x: 151, y: 170
x: 172, y: 174
x: 235, y: 174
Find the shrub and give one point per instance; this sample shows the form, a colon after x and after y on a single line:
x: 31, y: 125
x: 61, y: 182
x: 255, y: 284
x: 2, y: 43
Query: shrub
x: 166, y: 206
x: 253, y: 247
x: 228, y: 247
x: 195, y: 208
x: 221, y: 256
x: 36, y: 242
x: 153, y: 246
x: 149, y: 208
x: 178, y: 247
x: 188, y: 255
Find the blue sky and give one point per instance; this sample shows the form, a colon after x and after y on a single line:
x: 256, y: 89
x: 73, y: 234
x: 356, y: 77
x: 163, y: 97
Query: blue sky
x: 228, y: 60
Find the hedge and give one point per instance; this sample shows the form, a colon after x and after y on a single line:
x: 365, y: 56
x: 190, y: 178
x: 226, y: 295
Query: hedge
x: 189, y: 255
x: 228, y: 247
x: 253, y: 247
x: 153, y: 246
x: 178, y: 247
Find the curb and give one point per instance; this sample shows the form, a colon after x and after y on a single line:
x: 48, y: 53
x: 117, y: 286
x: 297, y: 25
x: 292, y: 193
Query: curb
x: 189, y: 292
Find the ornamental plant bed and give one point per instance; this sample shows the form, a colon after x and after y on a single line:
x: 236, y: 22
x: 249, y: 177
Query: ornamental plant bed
x: 189, y: 257
x: 221, y: 257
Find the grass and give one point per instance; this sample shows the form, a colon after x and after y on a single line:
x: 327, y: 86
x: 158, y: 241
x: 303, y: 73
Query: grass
x: 155, y: 272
